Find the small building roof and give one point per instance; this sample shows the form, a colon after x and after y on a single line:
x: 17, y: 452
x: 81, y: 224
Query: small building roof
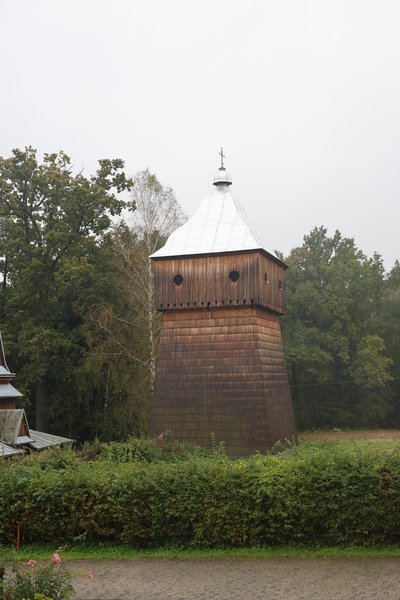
x: 10, y: 426
x: 40, y: 440
x: 14, y: 431
x: 6, y: 450
x: 4, y: 370
x: 219, y: 225
x: 14, y: 428
x: 2, y: 355
x: 6, y: 389
x: 9, y: 391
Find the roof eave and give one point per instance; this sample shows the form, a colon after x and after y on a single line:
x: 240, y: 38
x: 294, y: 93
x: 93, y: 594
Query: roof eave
x: 11, y: 391
x: 223, y: 253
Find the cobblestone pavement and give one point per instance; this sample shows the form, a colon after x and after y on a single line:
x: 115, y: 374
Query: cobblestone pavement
x: 239, y: 579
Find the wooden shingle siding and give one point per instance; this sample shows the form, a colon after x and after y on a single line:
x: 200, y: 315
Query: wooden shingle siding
x: 222, y: 371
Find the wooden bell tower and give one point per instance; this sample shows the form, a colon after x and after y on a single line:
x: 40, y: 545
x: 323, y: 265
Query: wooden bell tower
x: 220, y: 369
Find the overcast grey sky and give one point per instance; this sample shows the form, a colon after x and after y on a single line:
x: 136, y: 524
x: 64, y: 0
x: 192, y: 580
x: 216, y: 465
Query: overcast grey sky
x: 304, y: 96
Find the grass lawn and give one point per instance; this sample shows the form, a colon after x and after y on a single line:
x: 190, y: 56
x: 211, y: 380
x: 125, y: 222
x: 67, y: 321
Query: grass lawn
x: 110, y: 551
x: 339, y: 435
x: 342, y: 441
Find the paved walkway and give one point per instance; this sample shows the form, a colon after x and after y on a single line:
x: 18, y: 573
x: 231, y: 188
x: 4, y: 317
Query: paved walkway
x: 239, y: 579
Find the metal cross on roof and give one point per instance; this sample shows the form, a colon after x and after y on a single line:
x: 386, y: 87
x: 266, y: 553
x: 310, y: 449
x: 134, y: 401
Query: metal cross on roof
x: 222, y: 155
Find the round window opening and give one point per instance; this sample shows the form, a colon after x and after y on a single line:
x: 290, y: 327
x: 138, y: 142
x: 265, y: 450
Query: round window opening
x: 178, y: 280
x: 234, y: 275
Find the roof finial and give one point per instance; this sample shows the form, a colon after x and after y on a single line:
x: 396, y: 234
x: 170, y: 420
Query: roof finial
x: 222, y: 155
x: 222, y: 176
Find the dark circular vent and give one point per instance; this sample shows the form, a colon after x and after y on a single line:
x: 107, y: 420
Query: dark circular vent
x: 178, y: 280
x: 234, y: 275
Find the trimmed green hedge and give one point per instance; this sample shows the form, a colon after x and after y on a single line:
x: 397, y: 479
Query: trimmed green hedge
x: 314, y: 496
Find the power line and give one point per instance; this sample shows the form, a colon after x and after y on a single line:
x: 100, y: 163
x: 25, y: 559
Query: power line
x: 296, y: 385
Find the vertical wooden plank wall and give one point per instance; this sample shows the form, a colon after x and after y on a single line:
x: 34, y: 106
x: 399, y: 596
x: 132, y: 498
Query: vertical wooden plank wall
x: 206, y: 282
x: 7, y: 403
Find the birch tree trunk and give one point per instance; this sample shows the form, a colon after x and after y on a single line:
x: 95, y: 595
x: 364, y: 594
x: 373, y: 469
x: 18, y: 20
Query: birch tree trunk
x: 131, y: 324
x: 156, y: 215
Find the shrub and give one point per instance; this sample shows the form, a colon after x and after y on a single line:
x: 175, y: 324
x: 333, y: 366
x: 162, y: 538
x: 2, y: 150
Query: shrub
x: 142, y: 450
x: 314, y: 495
x: 39, y: 582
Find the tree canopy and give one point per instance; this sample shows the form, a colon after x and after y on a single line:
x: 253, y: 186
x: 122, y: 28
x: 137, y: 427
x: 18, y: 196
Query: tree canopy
x: 335, y: 333
x: 123, y: 330
x: 77, y: 305
x: 54, y: 249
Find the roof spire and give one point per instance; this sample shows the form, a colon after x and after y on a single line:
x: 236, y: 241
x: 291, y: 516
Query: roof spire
x: 222, y: 176
x: 222, y: 155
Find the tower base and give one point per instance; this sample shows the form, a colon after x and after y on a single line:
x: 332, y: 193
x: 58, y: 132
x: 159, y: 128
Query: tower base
x: 221, y: 375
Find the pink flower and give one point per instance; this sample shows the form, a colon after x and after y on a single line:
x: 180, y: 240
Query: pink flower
x: 56, y: 559
x: 89, y: 574
x: 31, y: 562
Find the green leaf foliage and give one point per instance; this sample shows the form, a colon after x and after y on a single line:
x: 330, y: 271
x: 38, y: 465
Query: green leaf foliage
x: 38, y: 582
x: 55, y: 264
x: 336, y: 336
x: 319, y: 495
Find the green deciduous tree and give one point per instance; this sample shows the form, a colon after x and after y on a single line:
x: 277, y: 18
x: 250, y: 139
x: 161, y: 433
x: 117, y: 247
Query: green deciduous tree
x: 156, y: 215
x: 370, y: 368
x: 123, y: 332
x: 53, y: 228
x: 391, y: 329
x: 333, y: 333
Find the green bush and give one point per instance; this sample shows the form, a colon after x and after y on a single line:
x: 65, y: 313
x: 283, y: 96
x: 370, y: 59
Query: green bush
x: 51, y: 581
x: 315, y: 495
x: 142, y: 450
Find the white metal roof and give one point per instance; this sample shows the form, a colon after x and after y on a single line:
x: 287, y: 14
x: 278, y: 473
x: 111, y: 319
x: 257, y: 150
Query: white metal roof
x: 40, y: 440
x: 222, y: 177
x: 6, y: 450
x: 219, y: 225
x: 9, y: 391
x: 2, y: 354
x: 4, y: 370
x: 10, y: 428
